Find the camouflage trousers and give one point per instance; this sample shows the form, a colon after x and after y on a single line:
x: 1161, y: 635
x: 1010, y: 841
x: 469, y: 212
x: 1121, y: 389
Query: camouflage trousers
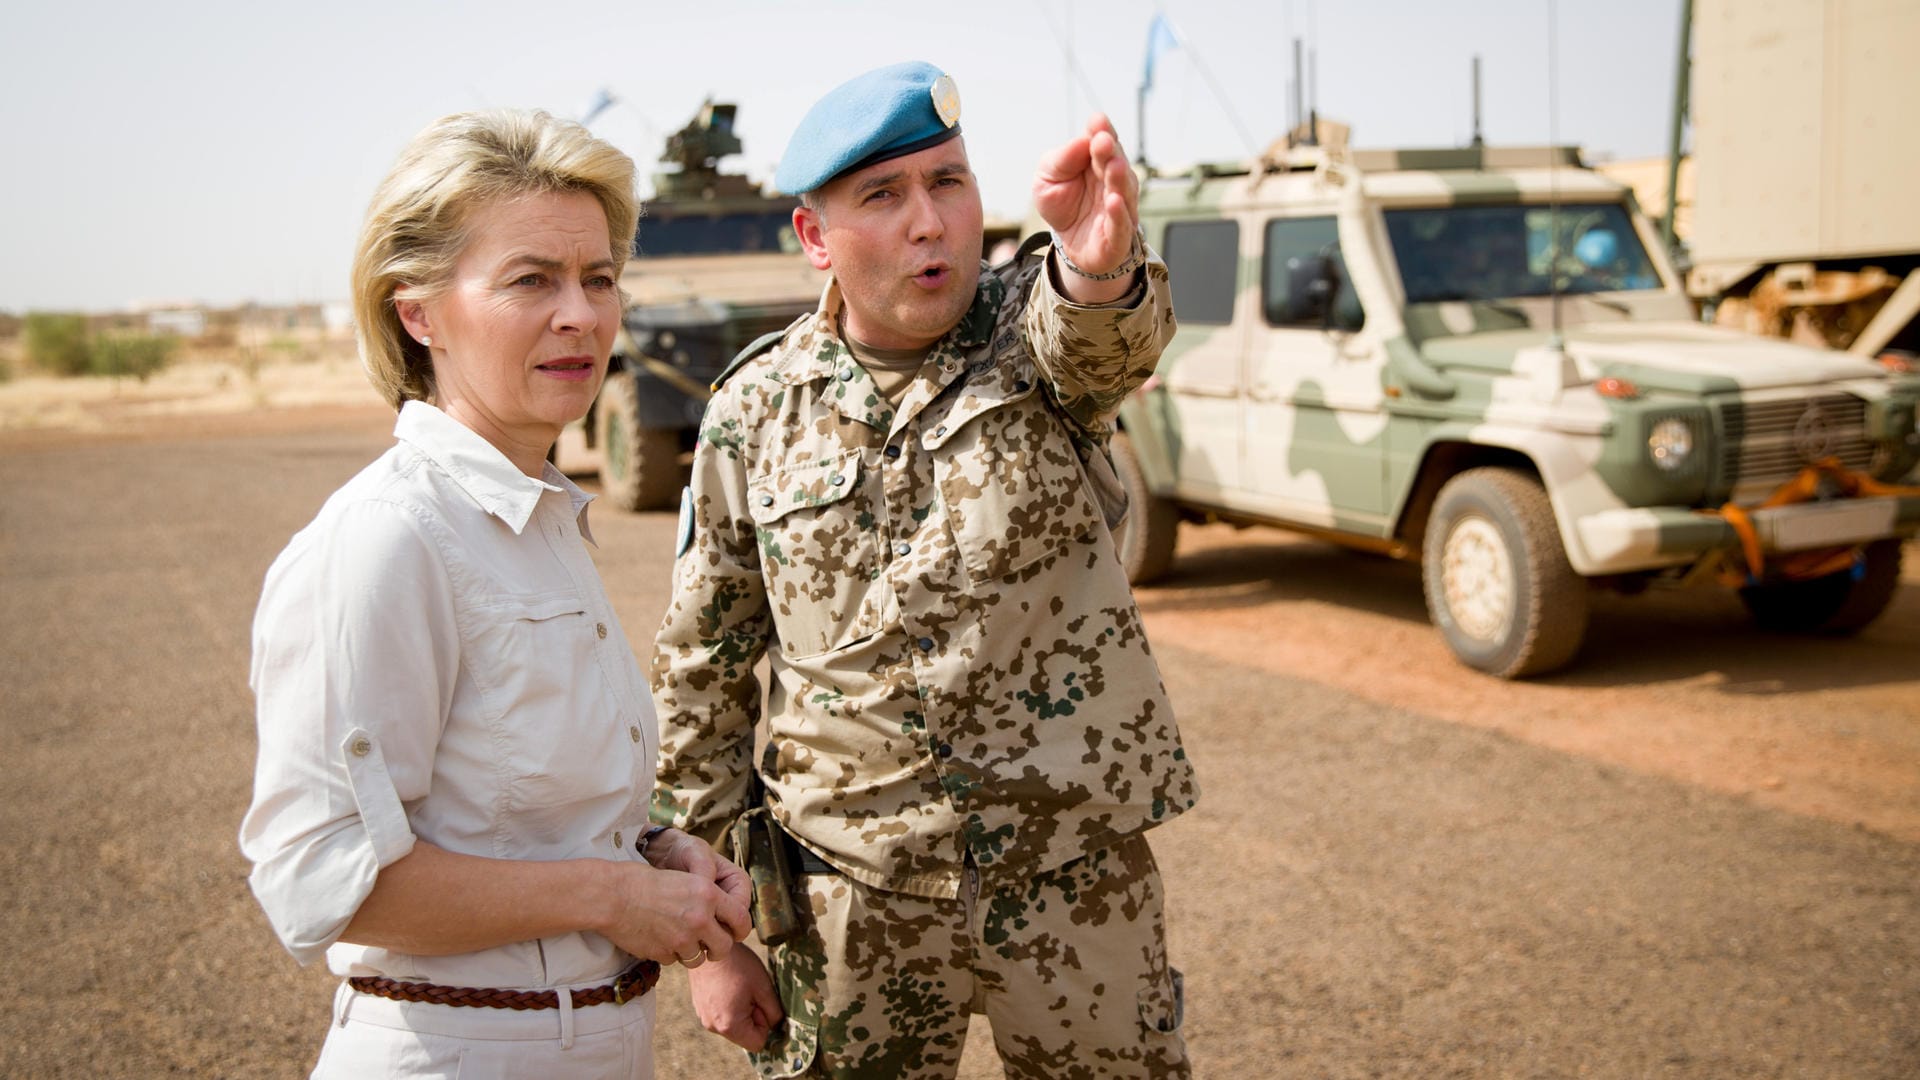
x: 1070, y: 968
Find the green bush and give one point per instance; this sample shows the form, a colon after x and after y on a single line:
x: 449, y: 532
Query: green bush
x: 56, y: 342
x: 138, y: 355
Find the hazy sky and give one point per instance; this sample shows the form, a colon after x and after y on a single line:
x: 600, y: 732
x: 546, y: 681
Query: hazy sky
x: 224, y: 151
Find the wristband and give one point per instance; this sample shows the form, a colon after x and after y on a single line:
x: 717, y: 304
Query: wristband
x: 1136, y: 257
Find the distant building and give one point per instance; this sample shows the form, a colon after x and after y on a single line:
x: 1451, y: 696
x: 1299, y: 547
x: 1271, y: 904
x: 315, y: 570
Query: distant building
x: 179, y: 322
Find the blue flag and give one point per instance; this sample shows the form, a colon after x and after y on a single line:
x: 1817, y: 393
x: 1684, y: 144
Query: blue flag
x: 601, y: 101
x: 1160, y: 38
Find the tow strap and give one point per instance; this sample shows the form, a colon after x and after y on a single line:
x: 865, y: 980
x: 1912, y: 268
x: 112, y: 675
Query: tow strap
x: 1807, y: 486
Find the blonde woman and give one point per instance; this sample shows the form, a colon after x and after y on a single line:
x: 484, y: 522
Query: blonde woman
x: 456, y: 745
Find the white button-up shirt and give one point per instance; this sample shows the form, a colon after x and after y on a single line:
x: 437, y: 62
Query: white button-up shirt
x: 434, y: 657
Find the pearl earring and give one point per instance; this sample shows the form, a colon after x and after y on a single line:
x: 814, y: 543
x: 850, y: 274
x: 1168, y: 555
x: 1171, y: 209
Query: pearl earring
x: 426, y: 340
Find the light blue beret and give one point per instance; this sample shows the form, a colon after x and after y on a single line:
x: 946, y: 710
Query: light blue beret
x: 886, y: 113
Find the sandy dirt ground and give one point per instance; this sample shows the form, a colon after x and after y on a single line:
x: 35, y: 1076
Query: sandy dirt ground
x: 1695, y: 854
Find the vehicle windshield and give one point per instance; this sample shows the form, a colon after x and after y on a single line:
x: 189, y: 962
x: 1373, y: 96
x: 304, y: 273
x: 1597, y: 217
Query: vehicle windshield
x: 1495, y: 252
x: 716, y: 234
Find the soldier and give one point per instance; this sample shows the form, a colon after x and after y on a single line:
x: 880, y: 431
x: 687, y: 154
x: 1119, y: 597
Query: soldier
x: 904, y: 504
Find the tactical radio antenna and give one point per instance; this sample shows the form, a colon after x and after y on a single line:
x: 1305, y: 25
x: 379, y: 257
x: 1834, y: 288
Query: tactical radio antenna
x: 1478, y: 142
x: 1555, y: 341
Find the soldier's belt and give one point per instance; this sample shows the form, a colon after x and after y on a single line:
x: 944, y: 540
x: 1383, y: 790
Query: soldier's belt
x: 801, y: 859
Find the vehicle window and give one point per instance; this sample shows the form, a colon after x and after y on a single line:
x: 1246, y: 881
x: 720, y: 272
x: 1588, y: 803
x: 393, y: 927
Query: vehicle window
x: 1291, y: 244
x: 1490, y: 252
x: 1203, y: 259
x: 717, y: 234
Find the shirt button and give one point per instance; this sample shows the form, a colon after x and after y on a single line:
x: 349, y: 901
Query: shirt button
x: 1020, y: 386
x: 939, y: 431
x: 846, y: 375
x: 926, y: 644
x: 903, y: 548
x: 945, y: 750
x: 362, y: 747
x: 600, y: 628
x: 892, y: 452
x: 634, y: 733
x: 836, y: 479
x: 766, y: 500
x: 616, y: 842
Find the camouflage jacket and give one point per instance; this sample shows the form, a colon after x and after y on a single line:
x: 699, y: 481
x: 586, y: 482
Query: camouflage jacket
x: 956, y: 661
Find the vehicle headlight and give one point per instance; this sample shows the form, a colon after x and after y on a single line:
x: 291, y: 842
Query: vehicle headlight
x: 1670, y: 444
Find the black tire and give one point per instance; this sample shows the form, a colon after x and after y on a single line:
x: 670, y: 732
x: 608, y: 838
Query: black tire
x: 639, y: 467
x: 1151, y: 529
x: 1493, y: 531
x: 1838, y: 604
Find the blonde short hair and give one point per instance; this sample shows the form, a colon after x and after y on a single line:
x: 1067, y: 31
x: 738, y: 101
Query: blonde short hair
x: 416, y: 226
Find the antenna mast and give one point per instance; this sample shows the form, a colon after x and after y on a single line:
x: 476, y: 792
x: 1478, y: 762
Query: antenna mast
x: 1478, y: 142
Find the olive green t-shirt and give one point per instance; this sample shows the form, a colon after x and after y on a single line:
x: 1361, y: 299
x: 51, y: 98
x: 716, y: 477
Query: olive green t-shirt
x: 892, y: 369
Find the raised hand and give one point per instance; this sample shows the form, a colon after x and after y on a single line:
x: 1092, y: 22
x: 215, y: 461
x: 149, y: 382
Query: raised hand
x: 1090, y: 198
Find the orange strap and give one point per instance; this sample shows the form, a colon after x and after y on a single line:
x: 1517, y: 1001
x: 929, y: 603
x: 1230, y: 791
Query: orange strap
x: 1804, y: 487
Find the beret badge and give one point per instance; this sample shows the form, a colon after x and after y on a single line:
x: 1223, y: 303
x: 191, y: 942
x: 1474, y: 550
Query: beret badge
x: 946, y: 100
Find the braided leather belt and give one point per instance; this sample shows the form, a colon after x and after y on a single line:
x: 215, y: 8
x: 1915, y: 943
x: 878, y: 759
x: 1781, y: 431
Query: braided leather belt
x: 629, y: 984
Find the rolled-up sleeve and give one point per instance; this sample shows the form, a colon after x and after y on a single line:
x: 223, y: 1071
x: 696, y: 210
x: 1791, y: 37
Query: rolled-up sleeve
x: 355, y: 655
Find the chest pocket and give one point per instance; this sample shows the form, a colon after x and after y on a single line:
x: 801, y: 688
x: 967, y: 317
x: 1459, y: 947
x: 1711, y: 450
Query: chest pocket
x: 1011, y: 483
x: 556, y: 719
x: 818, y: 552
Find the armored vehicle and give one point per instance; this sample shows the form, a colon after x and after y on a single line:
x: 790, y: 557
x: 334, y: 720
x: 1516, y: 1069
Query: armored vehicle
x: 1483, y: 360
x: 716, y: 264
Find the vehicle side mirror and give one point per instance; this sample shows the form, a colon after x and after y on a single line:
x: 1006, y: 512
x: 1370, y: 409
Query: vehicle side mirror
x: 1311, y: 280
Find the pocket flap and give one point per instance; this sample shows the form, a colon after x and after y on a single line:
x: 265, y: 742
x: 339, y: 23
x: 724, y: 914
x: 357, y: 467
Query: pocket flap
x: 539, y: 607
x: 1163, y: 1004
x: 819, y: 482
x: 975, y: 402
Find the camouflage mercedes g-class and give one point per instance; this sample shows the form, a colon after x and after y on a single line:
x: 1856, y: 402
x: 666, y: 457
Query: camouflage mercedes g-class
x: 1482, y: 359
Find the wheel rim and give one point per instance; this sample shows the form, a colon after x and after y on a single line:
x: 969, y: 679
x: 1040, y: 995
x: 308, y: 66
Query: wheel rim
x: 1477, y: 577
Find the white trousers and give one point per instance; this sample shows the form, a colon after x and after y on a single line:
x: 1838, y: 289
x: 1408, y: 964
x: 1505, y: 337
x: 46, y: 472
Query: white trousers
x: 375, y: 1037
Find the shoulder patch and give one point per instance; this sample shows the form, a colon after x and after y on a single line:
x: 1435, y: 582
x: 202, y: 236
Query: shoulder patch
x: 685, y: 539
x: 754, y: 348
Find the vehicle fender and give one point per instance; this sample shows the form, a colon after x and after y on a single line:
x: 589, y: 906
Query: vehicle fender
x: 1563, y: 461
x: 1151, y: 430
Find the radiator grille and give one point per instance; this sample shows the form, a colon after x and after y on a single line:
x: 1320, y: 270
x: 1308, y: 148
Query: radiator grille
x: 1767, y: 442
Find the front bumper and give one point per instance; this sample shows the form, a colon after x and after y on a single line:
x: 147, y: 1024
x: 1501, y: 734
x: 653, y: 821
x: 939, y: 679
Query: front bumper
x: 1645, y: 538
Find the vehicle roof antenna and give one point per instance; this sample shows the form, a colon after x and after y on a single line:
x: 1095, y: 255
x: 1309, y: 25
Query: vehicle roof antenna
x: 1478, y: 142
x: 1554, y: 341
x: 1313, y: 100
x: 1299, y: 96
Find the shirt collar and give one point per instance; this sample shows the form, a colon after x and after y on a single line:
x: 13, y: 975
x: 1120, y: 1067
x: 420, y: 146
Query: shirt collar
x: 821, y: 353
x: 482, y: 471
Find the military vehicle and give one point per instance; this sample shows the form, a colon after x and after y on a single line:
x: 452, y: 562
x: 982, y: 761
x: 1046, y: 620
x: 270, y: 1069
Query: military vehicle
x: 715, y: 265
x: 1483, y: 359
